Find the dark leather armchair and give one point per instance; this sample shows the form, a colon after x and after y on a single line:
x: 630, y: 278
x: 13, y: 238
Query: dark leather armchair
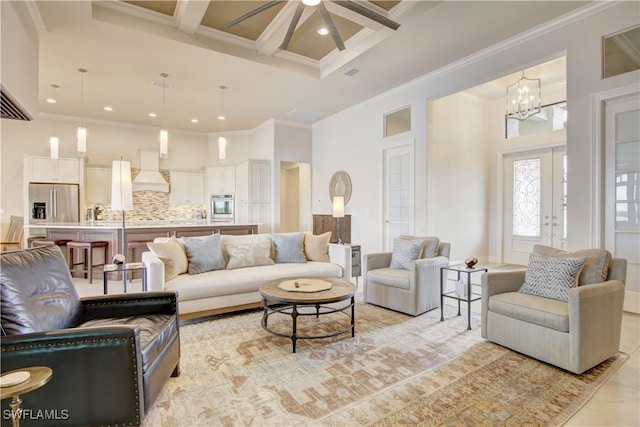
x: 110, y: 355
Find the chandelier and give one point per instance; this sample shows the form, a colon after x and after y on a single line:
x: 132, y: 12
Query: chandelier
x: 523, y: 98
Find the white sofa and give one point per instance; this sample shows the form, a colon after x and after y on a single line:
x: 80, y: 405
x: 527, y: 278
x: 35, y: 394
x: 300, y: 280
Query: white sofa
x: 221, y: 291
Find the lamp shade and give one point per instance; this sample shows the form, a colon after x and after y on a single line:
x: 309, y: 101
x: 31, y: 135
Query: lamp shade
x: 338, y: 207
x: 54, y: 143
x: 82, y: 139
x: 121, y: 187
x: 222, y: 148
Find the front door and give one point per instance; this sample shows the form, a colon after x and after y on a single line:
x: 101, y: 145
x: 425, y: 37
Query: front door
x: 535, y: 189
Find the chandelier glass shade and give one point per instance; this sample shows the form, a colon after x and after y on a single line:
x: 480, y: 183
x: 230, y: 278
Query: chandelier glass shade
x: 523, y: 98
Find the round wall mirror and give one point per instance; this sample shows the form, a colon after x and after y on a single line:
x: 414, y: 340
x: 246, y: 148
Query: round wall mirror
x: 340, y: 185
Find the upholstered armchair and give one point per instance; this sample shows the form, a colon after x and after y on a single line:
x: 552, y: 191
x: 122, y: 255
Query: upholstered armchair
x: 412, y: 288
x: 110, y: 355
x: 575, y: 334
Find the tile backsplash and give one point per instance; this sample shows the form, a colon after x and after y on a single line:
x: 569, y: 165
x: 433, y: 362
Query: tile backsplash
x: 152, y: 205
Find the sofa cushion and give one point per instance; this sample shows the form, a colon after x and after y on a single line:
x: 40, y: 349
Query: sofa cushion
x: 244, y: 239
x: 551, y: 277
x: 595, y: 269
x: 405, y: 251
x: 316, y: 247
x: 204, y: 254
x: 429, y: 246
x: 394, y: 277
x: 156, y: 332
x: 288, y: 247
x: 248, y: 255
x: 245, y: 280
x: 541, y: 311
x: 36, y: 291
x: 172, y: 254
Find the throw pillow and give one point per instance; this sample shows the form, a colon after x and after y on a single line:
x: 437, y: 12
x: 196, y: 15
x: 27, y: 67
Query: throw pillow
x: 204, y: 254
x: 316, y: 247
x: 404, y: 252
x: 289, y: 247
x: 551, y: 277
x: 429, y: 247
x: 172, y: 255
x: 248, y: 255
x: 596, y: 268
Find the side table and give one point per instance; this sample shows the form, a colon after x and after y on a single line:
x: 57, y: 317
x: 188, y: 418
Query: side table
x: 471, y: 297
x: 356, y: 261
x: 38, y: 376
x: 123, y: 268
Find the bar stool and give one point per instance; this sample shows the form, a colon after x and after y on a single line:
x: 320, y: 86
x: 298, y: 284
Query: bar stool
x: 87, y: 247
x: 61, y: 243
x: 132, y: 247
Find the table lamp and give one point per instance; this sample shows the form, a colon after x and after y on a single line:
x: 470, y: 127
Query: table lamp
x: 338, y: 212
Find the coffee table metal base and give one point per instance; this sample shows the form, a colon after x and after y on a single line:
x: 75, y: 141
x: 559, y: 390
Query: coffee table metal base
x: 275, y: 301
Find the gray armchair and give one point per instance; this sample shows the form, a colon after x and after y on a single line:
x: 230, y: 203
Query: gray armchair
x: 412, y: 291
x: 110, y: 355
x: 575, y: 335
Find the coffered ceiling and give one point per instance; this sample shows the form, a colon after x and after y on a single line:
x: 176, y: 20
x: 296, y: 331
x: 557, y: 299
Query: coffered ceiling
x: 126, y: 45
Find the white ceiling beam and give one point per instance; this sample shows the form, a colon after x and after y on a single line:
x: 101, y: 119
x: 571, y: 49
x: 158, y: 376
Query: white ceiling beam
x: 271, y: 38
x: 189, y: 14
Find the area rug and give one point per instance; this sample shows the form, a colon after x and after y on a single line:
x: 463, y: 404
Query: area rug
x: 397, y: 370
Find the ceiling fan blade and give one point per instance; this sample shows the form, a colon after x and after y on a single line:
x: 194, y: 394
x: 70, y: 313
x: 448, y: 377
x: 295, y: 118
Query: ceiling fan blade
x: 292, y: 26
x: 332, y: 27
x: 368, y: 13
x: 253, y: 12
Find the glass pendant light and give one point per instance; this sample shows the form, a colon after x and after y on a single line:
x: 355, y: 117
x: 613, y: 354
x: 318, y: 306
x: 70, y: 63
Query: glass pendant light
x: 164, y: 134
x: 81, y: 133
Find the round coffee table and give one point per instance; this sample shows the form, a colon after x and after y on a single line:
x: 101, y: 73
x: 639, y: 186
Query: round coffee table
x: 289, y: 302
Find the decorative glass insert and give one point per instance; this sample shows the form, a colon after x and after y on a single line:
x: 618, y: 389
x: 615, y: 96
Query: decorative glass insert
x: 552, y: 117
x: 526, y: 197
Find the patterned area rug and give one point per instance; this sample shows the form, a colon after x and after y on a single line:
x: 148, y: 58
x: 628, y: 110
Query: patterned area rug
x: 398, y: 370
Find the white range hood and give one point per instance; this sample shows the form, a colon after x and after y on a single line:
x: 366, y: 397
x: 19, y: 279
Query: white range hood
x: 149, y: 177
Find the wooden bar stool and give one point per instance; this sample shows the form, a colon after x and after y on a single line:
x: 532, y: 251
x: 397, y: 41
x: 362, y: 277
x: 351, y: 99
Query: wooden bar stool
x: 132, y: 247
x: 87, y: 263
x: 61, y: 243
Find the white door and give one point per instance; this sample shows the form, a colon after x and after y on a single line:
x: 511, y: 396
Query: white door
x: 398, y: 193
x: 622, y: 185
x: 535, y: 189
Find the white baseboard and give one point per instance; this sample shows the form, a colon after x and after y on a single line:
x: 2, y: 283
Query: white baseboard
x: 631, y: 302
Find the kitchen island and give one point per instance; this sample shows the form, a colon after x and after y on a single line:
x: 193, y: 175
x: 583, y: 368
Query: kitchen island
x: 137, y: 231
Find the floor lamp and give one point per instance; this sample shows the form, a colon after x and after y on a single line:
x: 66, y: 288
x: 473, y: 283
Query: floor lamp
x: 122, y: 199
x: 338, y: 212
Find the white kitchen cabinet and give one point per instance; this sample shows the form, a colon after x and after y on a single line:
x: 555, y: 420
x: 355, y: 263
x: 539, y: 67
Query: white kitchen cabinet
x: 98, y: 184
x: 253, y: 194
x: 221, y: 180
x: 187, y: 188
x: 61, y: 170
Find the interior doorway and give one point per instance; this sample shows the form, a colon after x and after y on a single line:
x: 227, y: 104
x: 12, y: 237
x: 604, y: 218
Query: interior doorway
x: 295, y: 197
x: 398, y: 192
x: 534, y: 203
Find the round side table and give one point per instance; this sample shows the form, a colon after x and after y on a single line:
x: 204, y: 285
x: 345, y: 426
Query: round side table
x: 39, y: 376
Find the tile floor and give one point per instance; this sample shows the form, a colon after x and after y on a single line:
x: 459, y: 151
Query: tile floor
x: 616, y: 403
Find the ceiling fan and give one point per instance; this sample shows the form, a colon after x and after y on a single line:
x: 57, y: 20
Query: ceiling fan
x: 324, y: 13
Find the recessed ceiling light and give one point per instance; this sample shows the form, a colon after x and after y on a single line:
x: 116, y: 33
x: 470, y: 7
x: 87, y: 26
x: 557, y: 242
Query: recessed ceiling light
x: 194, y: 120
x: 51, y: 100
x: 153, y: 115
x: 323, y: 31
x: 108, y: 108
x: 222, y: 117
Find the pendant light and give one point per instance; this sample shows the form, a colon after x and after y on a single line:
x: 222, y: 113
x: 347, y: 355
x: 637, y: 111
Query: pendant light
x: 523, y: 98
x: 81, y: 134
x: 164, y: 134
x: 54, y: 145
x: 222, y: 141
x: 52, y: 98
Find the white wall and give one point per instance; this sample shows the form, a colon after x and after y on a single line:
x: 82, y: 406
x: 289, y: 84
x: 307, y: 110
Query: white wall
x: 351, y: 140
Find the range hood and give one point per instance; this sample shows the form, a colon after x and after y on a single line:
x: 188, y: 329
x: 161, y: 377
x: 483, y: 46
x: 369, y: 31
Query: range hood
x: 149, y: 177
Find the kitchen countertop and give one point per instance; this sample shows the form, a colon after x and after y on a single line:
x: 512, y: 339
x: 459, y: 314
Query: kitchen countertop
x: 135, y: 224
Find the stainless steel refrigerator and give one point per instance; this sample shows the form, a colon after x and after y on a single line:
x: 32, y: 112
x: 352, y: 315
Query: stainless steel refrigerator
x: 54, y: 203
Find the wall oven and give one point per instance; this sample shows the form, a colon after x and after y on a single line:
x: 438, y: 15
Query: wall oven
x: 222, y: 208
